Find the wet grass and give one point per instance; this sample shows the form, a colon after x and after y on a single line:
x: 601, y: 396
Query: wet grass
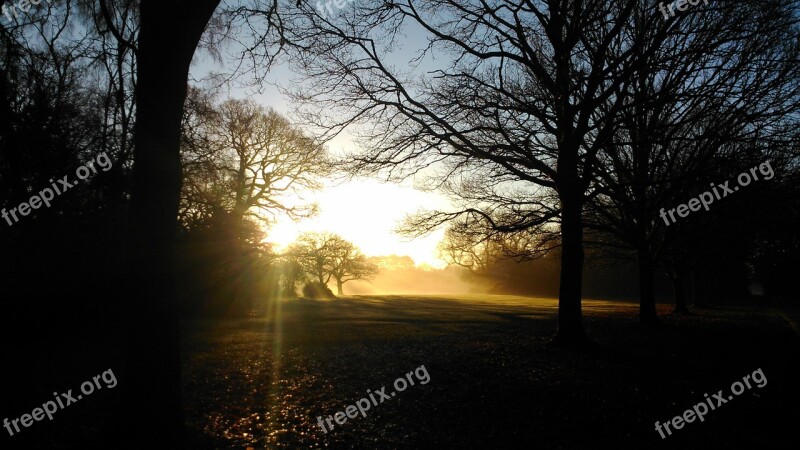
x: 495, y: 380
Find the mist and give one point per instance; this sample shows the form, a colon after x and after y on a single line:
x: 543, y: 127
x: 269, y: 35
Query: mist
x: 418, y: 280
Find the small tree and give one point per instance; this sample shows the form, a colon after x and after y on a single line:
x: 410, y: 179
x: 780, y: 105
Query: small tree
x: 326, y: 255
x: 348, y: 264
x: 291, y: 275
x: 310, y: 250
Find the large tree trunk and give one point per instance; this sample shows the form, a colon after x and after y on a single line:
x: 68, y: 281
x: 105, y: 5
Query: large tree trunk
x: 570, y: 323
x: 169, y: 34
x: 647, y: 292
x: 678, y: 279
x: 692, y: 293
x: 339, y: 290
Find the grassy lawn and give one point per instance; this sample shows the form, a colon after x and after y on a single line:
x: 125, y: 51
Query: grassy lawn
x: 494, y: 380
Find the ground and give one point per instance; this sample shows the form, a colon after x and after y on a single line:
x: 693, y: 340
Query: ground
x: 495, y: 382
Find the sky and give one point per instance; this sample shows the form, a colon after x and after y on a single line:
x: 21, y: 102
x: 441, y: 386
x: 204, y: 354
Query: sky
x: 365, y: 212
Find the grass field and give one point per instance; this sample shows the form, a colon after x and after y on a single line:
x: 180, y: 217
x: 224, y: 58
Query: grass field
x: 494, y: 380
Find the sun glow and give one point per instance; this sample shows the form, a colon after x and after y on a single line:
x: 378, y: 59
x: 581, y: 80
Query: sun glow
x: 366, y: 212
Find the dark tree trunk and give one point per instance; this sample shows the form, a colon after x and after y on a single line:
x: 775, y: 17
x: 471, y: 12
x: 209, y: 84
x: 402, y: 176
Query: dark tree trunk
x: 570, y: 323
x: 647, y: 292
x: 642, y: 149
x: 339, y: 290
x: 678, y: 279
x: 691, y: 288
x: 169, y: 34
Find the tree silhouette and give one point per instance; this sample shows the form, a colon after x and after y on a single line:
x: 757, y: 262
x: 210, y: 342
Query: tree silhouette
x: 348, y: 264
x: 684, y: 130
x: 518, y: 109
x: 326, y: 255
x: 247, y: 160
x: 169, y: 33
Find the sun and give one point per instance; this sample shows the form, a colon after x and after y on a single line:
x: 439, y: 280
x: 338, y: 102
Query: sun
x: 366, y: 212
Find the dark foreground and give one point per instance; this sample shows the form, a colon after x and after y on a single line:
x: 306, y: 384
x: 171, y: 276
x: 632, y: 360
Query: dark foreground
x: 494, y: 380
x: 495, y: 383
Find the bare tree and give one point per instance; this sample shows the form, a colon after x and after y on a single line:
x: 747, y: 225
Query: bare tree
x: 477, y: 247
x: 348, y: 264
x: 326, y: 255
x: 703, y: 108
x: 245, y: 161
x: 519, y: 104
x: 311, y: 250
x: 113, y: 52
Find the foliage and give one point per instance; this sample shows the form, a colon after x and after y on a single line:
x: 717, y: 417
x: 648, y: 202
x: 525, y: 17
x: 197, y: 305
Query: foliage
x: 315, y: 289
